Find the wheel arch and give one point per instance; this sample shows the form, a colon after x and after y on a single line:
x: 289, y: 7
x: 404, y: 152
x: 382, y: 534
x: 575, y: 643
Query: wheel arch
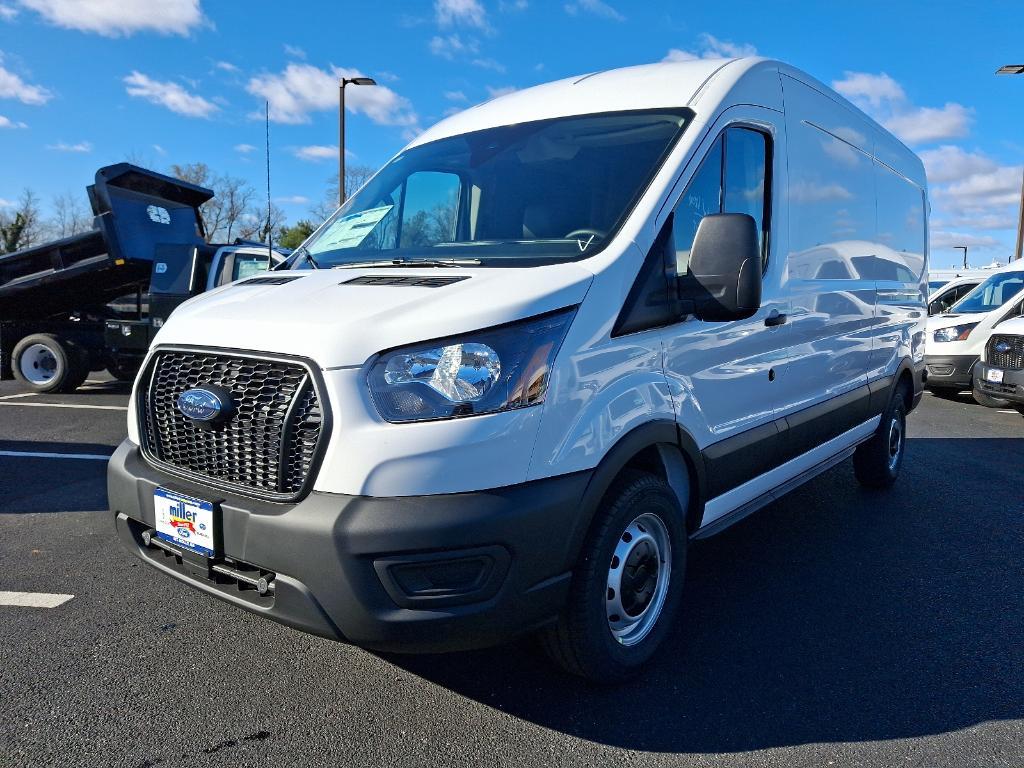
x: 658, y: 447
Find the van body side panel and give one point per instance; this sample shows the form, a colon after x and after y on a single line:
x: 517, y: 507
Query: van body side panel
x: 832, y: 228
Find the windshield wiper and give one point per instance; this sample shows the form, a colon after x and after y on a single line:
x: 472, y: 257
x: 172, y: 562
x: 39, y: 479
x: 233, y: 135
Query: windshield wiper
x: 410, y: 263
x: 308, y: 256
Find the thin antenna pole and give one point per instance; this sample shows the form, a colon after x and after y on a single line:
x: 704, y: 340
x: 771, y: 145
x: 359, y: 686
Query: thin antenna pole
x: 270, y: 229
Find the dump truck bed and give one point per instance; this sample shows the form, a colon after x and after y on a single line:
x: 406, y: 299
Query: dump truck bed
x: 135, y: 211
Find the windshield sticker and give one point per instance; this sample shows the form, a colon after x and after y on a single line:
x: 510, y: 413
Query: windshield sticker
x: 349, y: 231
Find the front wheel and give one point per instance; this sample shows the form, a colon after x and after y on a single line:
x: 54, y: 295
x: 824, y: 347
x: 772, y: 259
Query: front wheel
x: 628, y: 584
x: 877, y: 462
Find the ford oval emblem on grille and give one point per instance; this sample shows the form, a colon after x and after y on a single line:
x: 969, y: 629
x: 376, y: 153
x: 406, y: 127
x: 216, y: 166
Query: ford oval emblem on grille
x: 205, y: 404
x: 1002, y: 346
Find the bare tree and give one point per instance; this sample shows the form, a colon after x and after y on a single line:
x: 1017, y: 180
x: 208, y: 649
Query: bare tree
x: 355, y: 177
x: 256, y: 225
x: 21, y: 226
x: 69, y: 217
x: 233, y: 197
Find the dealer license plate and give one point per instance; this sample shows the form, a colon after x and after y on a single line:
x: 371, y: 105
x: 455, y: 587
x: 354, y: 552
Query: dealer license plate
x: 184, y: 521
x: 994, y: 375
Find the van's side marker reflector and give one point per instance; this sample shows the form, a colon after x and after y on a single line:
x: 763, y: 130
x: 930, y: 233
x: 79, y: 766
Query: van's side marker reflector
x: 34, y: 455
x: 69, y: 405
x: 33, y: 599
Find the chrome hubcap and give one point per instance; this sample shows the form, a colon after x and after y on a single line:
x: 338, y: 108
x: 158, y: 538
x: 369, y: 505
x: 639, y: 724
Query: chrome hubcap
x: 895, y: 442
x: 638, y: 577
x: 38, y: 364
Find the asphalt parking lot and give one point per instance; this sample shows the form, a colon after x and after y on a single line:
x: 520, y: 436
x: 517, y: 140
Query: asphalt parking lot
x: 835, y: 627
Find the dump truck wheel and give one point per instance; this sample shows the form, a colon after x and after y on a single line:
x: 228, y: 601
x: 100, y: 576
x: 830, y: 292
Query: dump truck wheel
x: 48, y: 363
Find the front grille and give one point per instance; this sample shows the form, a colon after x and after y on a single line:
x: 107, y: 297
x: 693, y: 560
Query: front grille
x: 1012, y: 358
x: 268, y: 445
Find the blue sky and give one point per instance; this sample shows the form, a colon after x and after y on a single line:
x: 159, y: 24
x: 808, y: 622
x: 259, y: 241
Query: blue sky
x: 84, y: 83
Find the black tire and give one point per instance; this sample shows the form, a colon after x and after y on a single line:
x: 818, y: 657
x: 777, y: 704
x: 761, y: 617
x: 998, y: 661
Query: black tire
x: 1019, y: 407
x: 877, y: 462
x: 582, y: 642
x: 47, y: 363
x: 988, y: 401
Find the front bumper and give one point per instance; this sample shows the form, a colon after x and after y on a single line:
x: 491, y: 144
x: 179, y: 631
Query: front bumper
x: 406, y: 574
x: 950, y: 371
x: 1011, y: 388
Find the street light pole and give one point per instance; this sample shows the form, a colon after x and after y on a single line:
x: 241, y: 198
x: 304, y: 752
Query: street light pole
x: 1017, y: 69
x: 342, y: 196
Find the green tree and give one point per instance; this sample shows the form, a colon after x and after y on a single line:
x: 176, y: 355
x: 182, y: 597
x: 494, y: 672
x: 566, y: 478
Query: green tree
x: 293, y: 236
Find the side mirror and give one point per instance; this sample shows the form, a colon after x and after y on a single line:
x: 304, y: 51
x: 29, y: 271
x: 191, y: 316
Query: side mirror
x: 724, y: 275
x: 934, y: 308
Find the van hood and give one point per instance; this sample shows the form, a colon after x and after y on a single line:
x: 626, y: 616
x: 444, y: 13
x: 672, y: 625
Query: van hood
x: 341, y: 317
x: 935, y: 322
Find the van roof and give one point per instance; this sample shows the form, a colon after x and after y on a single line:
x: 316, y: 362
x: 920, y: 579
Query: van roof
x: 647, y: 86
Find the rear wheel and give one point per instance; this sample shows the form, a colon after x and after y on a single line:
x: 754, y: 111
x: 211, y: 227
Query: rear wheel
x: 627, y: 586
x: 48, y: 363
x: 877, y: 462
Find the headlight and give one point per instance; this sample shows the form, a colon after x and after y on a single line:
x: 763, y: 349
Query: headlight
x: 954, y: 332
x: 482, y: 372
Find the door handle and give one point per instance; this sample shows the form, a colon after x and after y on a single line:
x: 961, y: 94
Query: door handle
x: 775, y: 318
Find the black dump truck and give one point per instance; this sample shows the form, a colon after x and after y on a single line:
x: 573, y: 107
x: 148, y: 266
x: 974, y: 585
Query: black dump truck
x: 94, y: 301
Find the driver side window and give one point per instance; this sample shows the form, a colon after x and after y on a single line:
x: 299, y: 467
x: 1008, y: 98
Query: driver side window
x: 732, y: 178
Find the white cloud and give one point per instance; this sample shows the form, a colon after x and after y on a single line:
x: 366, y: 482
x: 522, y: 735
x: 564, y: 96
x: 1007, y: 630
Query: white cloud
x: 294, y: 51
x: 115, y: 18
x: 923, y: 125
x: 170, y: 95
x: 950, y: 163
x: 317, y: 153
x: 7, y: 12
x: 449, y: 46
x: 509, y: 6
x: 503, y: 91
x: 469, y: 13
x: 60, y: 146
x: 595, y: 7
x: 292, y: 199
x: 302, y: 88
x: 244, y: 149
x: 227, y: 66
x: 455, y: 96
x: 159, y: 150
x: 13, y: 87
x: 941, y: 238
x: 6, y: 122
x: 451, y: 111
x: 884, y: 99
x: 5, y: 203
x: 485, y: 63
x: 710, y: 47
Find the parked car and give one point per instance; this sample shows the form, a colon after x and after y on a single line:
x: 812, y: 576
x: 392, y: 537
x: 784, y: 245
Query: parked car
x: 999, y: 375
x: 956, y: 337
x: 550, y: 342
x: 945, y: 296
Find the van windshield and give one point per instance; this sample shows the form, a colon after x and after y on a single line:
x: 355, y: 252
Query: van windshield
x: 991, y: 294
x: 532, y: 193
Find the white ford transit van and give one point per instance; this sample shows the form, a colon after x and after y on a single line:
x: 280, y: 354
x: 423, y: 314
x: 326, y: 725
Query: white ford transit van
x: 555, y: 338
x: 957, y: 336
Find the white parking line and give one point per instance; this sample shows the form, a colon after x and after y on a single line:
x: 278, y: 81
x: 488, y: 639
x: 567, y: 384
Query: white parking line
x: 43, y: 455
x: 20, y: 394
x: 33, y: 599
x: 69, y: 405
